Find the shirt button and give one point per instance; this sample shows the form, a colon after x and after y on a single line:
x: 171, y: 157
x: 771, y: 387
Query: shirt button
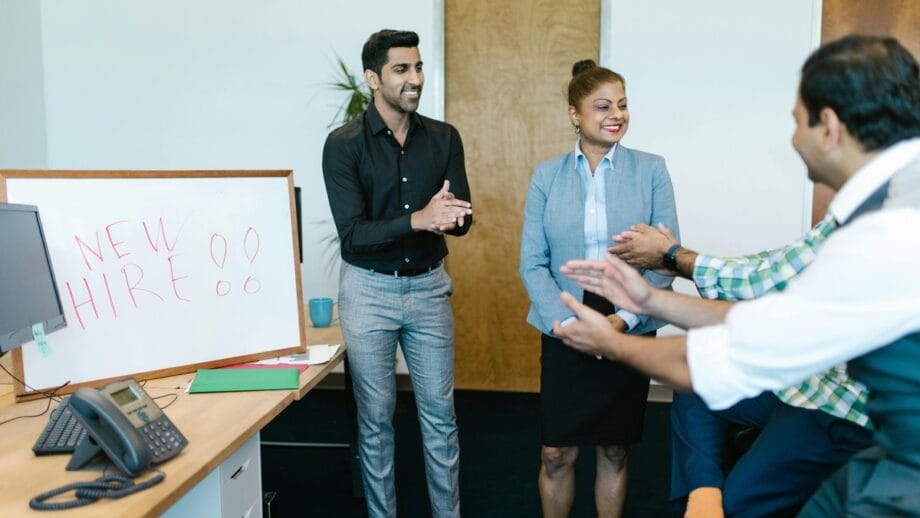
x: 389, y: 132
x: 406, y: 206
x: 405, y: 179
x: 402, y: 152
x: 591, y: 211
x: 407, y: 259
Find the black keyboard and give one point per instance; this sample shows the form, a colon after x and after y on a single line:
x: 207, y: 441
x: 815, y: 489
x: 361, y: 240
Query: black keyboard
x: 62, y: 433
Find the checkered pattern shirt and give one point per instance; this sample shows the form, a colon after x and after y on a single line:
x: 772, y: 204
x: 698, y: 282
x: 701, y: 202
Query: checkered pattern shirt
x: 750, y: 276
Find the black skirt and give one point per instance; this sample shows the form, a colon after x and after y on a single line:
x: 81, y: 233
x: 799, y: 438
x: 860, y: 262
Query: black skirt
x: 584, y: 400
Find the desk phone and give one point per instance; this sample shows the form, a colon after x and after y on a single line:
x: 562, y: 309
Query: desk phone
x: 122, y: 421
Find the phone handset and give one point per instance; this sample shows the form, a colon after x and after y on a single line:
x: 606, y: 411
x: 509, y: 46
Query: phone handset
x: 111, y: 431
x: 122, y: 421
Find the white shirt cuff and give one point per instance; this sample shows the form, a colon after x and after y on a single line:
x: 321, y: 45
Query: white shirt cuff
x: 631, y: 319
x: 568, y: 321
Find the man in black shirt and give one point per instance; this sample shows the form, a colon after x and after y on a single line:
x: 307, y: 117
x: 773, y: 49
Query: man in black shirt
x: 396, y: 184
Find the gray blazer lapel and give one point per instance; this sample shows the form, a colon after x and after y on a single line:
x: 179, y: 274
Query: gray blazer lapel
x: 568, y: 210
x: 622, y: 179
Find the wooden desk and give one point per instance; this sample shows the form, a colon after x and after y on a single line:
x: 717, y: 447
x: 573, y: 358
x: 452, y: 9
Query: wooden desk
x: 331, y: 335
x: 216, y: 425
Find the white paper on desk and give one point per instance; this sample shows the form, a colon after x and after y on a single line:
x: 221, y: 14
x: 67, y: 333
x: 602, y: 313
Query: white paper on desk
x: 315, y: 355
x: 280, y: 359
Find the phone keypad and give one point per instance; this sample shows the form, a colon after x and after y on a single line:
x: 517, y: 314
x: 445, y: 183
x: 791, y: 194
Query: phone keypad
x: 164, y: 439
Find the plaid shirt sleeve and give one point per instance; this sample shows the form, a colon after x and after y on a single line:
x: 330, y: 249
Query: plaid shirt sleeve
x: 750, y: 276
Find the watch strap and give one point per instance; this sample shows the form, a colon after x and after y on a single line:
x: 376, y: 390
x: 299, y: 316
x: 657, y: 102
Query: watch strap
x: 670, y: 258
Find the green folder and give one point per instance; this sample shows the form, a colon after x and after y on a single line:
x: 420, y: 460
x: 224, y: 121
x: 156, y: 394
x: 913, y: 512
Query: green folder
x: 235, y: 380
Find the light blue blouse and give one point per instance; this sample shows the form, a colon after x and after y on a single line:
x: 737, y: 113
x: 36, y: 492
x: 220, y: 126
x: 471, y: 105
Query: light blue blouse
x: 597, y: 240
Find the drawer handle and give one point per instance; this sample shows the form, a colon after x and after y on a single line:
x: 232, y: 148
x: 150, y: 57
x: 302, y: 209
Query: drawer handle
x: 240, y: 470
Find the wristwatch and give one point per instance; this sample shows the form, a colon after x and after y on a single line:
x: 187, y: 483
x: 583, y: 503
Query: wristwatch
x: 670, y: 258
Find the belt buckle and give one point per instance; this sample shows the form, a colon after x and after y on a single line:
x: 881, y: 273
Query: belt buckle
x: 412, y: 272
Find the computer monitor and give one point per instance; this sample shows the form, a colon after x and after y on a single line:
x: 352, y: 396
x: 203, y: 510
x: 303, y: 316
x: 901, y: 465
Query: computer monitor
x: 28, y: 291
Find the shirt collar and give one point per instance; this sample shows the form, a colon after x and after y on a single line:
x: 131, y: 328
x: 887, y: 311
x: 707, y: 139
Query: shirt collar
x: 580, y: 157
x: 872, y: 176
x: 376, y: 124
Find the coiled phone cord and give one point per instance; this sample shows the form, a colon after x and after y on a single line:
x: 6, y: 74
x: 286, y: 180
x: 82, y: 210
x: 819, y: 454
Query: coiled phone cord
x: 110, y: 486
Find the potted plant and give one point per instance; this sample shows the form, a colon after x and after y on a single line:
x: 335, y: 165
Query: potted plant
x: 358, y: 95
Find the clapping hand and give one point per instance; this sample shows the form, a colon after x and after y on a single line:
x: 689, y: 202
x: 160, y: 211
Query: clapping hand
x: 443, y: 213
x: 614, y: 280
x: 644, y: 246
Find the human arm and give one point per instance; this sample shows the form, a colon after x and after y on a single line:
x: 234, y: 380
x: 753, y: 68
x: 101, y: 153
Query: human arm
x: 663, y: 359
x: 750, y: 276
x: 726, y: 278
x: 844, y: 305
x: 459, y: 185
x: 621, y: 284
x: 357, y: 232
x: 644, y: 246
x: 782, y: 338
x: 535, y: 257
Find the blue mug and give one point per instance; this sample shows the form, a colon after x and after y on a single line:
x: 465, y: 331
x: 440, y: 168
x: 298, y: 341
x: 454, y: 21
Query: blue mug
x: 321, y: 311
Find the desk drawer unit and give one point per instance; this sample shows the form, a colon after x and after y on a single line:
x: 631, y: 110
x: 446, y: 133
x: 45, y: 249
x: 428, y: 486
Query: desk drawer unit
x: 233, y: 490
x: 241, y: 482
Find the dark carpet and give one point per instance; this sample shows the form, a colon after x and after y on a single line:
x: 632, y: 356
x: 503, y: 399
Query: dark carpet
x: 499, y: 460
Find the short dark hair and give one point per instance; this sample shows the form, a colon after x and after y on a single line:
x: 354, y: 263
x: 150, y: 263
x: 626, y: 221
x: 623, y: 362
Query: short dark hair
x: 587, y: 76
x: 374, y: 53
x: 873, y: 85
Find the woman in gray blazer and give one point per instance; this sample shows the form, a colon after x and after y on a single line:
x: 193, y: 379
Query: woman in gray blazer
x: 575, y: 203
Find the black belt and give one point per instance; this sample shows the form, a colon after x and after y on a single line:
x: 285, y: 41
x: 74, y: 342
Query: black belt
x: 408, y: 272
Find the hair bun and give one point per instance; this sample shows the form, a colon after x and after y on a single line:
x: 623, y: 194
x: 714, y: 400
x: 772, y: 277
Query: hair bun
x: 583, y: 66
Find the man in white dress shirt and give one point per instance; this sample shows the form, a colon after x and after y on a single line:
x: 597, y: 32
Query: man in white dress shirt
x: 858, y: 117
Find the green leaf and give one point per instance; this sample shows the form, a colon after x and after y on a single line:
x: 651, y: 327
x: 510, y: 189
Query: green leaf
x: 358, y: 95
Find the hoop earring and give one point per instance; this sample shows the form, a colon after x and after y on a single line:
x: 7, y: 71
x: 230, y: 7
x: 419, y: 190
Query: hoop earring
x: 576, y: 129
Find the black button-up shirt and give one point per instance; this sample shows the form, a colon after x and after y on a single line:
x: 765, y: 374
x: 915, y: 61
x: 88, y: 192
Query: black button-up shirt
x: 374, y: 185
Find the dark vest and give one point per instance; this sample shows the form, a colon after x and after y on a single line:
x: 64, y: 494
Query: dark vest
x: 892, y: 374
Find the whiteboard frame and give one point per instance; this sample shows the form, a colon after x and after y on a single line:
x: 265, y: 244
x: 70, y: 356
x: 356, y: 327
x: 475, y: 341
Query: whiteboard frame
x: 23, y: 393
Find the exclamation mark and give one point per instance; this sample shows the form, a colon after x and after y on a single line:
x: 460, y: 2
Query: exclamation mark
x: 251, y: 243
x: 219, y: 258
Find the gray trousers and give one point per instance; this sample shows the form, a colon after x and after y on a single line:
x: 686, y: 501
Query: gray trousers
x: 377, y: 311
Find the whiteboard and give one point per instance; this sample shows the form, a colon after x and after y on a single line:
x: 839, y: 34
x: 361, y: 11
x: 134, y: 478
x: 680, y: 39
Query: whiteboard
x: 163, y: 272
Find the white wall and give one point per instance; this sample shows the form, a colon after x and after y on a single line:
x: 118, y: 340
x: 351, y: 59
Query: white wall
x: 711, y: 87
x: 22, y: 86
x: 209, y: 84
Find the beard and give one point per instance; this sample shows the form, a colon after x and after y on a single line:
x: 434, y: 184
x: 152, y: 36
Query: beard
x: 400, y: 103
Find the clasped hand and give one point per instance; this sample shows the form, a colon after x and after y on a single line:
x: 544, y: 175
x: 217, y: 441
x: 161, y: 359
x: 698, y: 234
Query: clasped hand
x: 644, y: 246
x: 443, y: 213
